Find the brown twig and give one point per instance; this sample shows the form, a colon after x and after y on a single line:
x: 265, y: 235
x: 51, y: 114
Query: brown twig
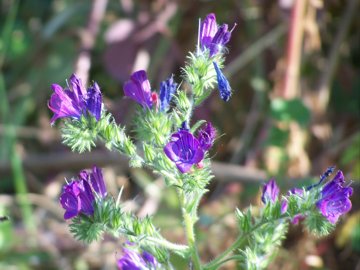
x: 55, y: 162
x: 294, y: 46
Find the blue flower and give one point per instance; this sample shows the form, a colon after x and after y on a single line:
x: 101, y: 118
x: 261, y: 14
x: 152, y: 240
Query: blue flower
x: 223, y: 84
x: 75, y: 101
x: 167, y: 90
x: 185, y: 150
x: 335, y: 200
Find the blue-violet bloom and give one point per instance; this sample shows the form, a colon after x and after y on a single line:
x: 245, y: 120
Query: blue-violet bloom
x: 167, y: 90
x: 213, y: 37
x: 79, y: 195
x: 75, y: 101
x: 132, y: 260
x: 270, y: 192
x: 223, y: 84
x: 206, y: 136
x: 334, y: 200
x: 184, y: 149
x: 138, y: 88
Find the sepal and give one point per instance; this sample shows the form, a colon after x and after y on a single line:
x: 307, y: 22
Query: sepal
x: 317, y: 224
x: 107, y: 216
x: 80, y: 135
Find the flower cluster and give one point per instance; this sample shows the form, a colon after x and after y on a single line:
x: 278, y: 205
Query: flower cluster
x: 185, y: 150
x: 334, y: 198
x: 79, y: 195
x: 75, y: 101
x: 133, y: 260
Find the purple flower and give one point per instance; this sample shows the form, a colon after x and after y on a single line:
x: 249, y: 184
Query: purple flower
x: 138, y: 88
x: 270, y: 192
x: 167, y: 90
x: 206, y: 136
x: 96, y: 180
x: 132, y: 260
x: 334, y: 200
x: 78, y: 196
x: 223, y: 84
x: 75, y: 101
x: 213, y: 37
x: 184, y: 149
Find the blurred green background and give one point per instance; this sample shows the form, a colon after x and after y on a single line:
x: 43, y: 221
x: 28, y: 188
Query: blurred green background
x: 294, y: 68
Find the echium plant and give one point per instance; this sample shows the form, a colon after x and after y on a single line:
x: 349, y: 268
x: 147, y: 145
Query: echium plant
x: 173, y: 147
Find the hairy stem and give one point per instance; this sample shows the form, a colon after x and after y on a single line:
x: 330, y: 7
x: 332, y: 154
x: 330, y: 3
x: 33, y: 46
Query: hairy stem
x: 189, y: 222
x: 169, y: 245
x: 240, y: 240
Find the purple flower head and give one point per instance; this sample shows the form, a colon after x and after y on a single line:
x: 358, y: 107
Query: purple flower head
x: 270, y: 192
x: 138, y: 88
x: 334, y: 200
x: 184, y: 149
x: 223, y: 84
x: 167, y: 90
x: 132, y: 260
x: 79, y: 195
x: 77, y: 198
x: 206, y: 136
x: 213, y: 37
x: 75, y: 101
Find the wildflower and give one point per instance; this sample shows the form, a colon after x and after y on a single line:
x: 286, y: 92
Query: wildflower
x: 75, y: 101
x: 213, y: 37
x: 132, y: 260
x: 96, y: 181
x: 138, y: 88
x: 223, y: 84
x: 206, y: 136
x: 167, y: 90
x: 78, y: 196
x: 184, y: 149
x: 270, y: 192
x: 334, y: 200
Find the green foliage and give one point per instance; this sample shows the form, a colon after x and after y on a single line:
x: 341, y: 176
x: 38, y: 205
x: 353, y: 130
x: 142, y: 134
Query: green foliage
x: 290, y: 110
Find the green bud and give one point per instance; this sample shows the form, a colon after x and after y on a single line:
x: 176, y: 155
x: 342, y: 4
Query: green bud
x: 149, y: 153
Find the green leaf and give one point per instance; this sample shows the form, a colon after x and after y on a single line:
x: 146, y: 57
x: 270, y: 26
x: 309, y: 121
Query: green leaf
x: 290, y: 110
